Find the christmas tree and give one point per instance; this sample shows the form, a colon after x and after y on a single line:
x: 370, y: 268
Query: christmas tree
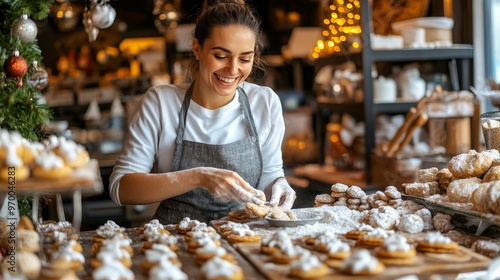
x: 22, y: 77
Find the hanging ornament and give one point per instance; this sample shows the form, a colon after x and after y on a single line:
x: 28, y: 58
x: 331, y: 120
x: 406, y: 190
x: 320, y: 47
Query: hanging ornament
x: 102, y: 14
x: 15, y: 66
x: 90, y: 28
x: 25, y: 29
x: 40, y: 78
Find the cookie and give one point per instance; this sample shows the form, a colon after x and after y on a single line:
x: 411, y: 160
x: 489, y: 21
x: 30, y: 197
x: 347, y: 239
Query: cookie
x: 435, y: 242
x: 362, y: 263
x: 471, y: 164
x: 309, y: 267
x: 355, y: 192
x: 339, y: 188
x: 461, y: 190
x: 258, y: 210
x: 324, y: 198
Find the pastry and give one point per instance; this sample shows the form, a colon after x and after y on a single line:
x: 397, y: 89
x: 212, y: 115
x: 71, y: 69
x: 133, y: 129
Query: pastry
x: 411, y: 223
x: 396, y: 251
x: 154, y: 227
x: 112, y: 269
x: 460, y: 190
x: 356, y: 233
x: 362, y: 263
x: 49, y: 274
x: 228, y: 227
x: 201, y: 227
x: 211, y: 250
x: 428, y: 175
x: 200, y: 239
x: 480, y: 198
x: 288, y: 253
x: 220, y: 269
x: 185, y: 225
x: 355, y: 192
x: 276, y: 241
x: 239, y: 235
x: 107, y: 230
x: 339, y: 188
x: 471, y: 164
x: 111, y: 250
x: 117, y: 241
x: 373, y: 238
x: 29, y: 264
x: 323, y: 198
x: 66, y: 258
x: 258, y: 210
x: 435, y: 242
x: 155, y: 254
x: 165, y: 270
x: 492, y: 174
x: 338, y: 249
x: 442, y: 222
x: 50, y: 166
x: 384, y: 217
x: 321, y: 242
x: 309, y: 267
x: 161, y: 238
x: 73, y: 154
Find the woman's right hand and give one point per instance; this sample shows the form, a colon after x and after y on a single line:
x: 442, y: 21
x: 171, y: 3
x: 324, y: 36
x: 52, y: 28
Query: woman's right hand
x: 227, y: 185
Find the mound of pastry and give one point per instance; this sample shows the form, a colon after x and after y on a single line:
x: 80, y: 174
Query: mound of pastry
x: 54, y: 158
x: 471, y: 181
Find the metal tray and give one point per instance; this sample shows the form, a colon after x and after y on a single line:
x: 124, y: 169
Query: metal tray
x: 483, y: 220
x: 302, y: 219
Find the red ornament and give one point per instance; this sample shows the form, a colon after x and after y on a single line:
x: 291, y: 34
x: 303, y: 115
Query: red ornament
x: 15, y: 66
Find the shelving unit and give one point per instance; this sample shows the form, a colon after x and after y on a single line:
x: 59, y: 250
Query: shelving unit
x: 460, y: 55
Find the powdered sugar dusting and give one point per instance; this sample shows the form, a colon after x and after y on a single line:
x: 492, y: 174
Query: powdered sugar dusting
x: 335, y: 219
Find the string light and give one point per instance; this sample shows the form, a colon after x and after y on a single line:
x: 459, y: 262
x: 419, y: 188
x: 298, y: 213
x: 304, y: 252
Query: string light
x: 342, y: 29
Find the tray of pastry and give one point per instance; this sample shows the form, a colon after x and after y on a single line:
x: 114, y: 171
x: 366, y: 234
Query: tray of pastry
x: 482, y: 220
x: 86, y: 178
x: 425, y: 264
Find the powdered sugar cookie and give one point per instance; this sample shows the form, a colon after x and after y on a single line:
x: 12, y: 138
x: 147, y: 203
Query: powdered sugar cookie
x: 471, y: 164
x: 494, y: 197
x: 442, y: 222
x: 411, y: 224
x: 396, y: 251
x: 339, y: 188
x: 392, y: 192
x: 480, y: 198
x: 426, y: 216
x: 309, y: 267
x: 355, y: 192
x: 461, y: 190
x: 428, y: 175
x: 435, y: 242
x: 362, y: 263
x: 324, y: 198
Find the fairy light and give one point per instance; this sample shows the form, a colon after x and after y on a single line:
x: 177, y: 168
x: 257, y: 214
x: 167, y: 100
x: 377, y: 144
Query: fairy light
x: 341, y: 28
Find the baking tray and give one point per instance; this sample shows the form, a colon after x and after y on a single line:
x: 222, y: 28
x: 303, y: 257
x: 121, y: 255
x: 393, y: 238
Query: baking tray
x: 483, y: 220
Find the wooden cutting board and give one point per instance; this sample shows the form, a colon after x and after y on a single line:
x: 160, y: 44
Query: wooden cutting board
x: 427, y: 264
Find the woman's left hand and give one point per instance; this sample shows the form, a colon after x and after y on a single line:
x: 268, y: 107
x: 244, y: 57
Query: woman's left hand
x: 282, y: 194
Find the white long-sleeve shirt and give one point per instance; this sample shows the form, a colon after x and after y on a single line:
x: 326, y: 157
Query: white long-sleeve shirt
x: 153, y: 129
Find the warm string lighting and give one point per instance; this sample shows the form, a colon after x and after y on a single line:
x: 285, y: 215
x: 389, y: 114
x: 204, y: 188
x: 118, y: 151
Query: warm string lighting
x: 342, y: 28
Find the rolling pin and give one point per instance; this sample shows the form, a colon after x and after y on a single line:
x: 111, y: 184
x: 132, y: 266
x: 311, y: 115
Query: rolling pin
x: 411, y: 116
x: 420, y: 121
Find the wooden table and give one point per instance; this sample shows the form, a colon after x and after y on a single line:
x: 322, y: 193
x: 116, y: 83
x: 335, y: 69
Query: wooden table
x: 187, y: 259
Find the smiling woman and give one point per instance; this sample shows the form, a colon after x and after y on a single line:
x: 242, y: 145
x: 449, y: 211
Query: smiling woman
x: 216, y: 143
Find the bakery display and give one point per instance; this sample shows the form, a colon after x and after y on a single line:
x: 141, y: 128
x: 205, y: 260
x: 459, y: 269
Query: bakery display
x: 357, y: 233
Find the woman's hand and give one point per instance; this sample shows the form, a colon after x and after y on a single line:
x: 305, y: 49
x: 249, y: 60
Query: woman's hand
x: 227, y: 185
x: 282, y: 194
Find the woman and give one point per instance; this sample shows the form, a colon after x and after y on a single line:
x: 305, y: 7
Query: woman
x: 211, y: 146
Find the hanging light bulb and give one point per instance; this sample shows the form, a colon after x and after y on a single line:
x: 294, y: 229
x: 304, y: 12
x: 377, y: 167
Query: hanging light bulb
x: 166, y: 17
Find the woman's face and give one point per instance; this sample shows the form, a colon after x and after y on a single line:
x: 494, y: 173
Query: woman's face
x: 225, y: 59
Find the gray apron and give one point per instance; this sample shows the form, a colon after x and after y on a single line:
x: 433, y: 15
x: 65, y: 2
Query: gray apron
x: 243, y: 156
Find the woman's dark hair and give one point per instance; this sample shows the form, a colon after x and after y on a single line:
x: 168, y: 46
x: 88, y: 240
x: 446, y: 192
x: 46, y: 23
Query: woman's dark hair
x: 227, y: 12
